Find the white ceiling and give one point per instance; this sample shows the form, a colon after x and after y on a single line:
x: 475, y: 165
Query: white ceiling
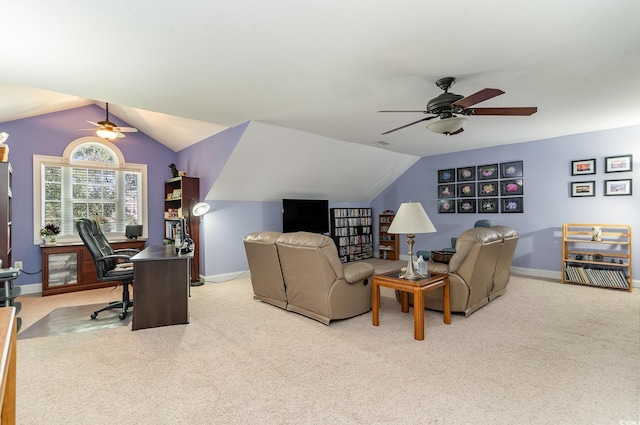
x: 182, y: 71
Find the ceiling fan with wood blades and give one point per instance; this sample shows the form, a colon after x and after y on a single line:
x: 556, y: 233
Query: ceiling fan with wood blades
x: 453, y: 109
x: 108, y: 130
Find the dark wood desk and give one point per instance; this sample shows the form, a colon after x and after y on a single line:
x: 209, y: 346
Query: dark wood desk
x: 160, y: 287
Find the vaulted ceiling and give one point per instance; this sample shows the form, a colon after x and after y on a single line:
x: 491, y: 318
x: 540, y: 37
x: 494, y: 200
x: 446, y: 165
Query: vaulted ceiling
x: 183, y: 71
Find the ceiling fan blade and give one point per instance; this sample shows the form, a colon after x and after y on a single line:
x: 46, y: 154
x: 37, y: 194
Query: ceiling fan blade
x: 125, y: 129
x: 478, y: 97
x: 423, y: 111
x: 94, y: 123
x: 120, y: 135
x: 412, y: 123
x: 525, y: 111
x: 457, y: 132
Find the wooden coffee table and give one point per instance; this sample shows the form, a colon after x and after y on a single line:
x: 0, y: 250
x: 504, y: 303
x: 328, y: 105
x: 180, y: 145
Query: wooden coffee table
x: 417, y: 288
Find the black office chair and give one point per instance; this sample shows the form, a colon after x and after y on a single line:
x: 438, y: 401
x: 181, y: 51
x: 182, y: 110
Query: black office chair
x: 108, y: 262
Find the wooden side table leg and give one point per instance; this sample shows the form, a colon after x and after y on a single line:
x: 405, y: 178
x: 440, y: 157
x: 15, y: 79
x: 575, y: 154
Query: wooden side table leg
x: 404, y: 301
x: 375, y: 303
x: 418, y: 314
x: 447, y: 302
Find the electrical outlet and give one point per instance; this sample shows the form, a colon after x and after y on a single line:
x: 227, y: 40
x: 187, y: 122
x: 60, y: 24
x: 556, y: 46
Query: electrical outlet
x: 17, y: 264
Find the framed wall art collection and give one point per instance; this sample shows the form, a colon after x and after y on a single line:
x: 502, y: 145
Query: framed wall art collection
x: 612, y: 164
x: 491, y: 188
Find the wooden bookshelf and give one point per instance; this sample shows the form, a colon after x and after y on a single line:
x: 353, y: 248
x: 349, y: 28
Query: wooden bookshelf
x: 604, y: 261
x: 388, y: 246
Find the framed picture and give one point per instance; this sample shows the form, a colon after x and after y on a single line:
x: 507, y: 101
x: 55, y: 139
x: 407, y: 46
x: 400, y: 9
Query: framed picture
x: 466, y: 190
x: 512, y: 205
x: 580, y: 189
x: 617, y: 187
x: 466, y: 205
x: 488, y: 188
x: 509, y: 170
x: 511, y: 187
x: 488, y: 205
x: 446, y: 191
x: 488, y: 172
x: 583, y: 166
x: 446, y: 206
x: 466, y: 174
x: 618, y: 164
x: 177, y: 193
x: 447, y: 176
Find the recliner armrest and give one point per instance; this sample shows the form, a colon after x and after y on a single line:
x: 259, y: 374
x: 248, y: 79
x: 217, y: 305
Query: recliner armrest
x: 435, y: 267
x: 355, y: 272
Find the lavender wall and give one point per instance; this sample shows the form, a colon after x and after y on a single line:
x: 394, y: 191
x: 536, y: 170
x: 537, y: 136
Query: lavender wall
x: 49, y: 135
x: 547, y: 204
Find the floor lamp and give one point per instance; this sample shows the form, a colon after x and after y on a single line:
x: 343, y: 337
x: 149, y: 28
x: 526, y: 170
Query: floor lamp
x: 410, y: 219
x: 197, y: 210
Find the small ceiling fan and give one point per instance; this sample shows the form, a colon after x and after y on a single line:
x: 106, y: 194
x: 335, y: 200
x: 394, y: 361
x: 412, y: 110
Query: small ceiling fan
x: 108, y: 130
x: 453, y: 109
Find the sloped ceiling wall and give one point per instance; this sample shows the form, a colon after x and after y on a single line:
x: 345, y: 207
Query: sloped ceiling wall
x: 270, y: 163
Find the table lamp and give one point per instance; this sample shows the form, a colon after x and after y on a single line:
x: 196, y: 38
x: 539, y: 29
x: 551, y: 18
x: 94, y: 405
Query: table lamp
x: 411, y: 219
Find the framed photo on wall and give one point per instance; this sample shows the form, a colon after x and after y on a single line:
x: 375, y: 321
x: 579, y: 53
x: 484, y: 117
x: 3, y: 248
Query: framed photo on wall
x: 618, y: 164
x: 488, y: 188
x: 488, y: 172
x: 466, y: 174
x: 512, y: 205
x: 509, y: 170
x: 447, y: 176
x: 466, y: 205
x: 580, y: 189
x: 446, y: 191
x: 488, y: 205
x: 583, y: 166
x: 466, y: 190
x: 617, y: 187
x: 511, y: 187
x: 446, y: 206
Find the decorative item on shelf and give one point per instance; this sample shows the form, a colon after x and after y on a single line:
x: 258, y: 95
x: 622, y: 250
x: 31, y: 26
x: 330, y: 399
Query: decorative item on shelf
x: 596, y: 234
x: 49, y: 234
x: 174, y: 170
x: 598, y: 257
x: 410, y: 219
x: 182, y: 173
x: 4, y: 148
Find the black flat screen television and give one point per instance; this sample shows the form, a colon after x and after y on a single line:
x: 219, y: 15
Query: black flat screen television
x: 308, y: 215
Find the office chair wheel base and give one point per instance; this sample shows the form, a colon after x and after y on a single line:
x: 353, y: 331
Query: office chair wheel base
x: 94, y: 315
x: 121, y: 316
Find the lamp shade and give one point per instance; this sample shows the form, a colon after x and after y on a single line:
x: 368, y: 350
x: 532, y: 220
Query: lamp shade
x: 447, y: 125
x: 411, y: 218
x: 200, y: 208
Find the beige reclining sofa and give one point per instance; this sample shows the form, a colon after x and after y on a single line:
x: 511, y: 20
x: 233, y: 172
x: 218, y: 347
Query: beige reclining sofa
x: 301, y: 272
x: 479, y: 271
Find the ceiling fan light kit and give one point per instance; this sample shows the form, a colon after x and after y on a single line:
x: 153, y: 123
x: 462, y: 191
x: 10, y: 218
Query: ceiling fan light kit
x: 106, y: 134
x: 453, y: 109
x: 447, y: 125
x: 108, y: 130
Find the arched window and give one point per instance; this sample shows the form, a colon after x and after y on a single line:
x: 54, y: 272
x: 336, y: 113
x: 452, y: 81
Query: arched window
x: 91, y: 179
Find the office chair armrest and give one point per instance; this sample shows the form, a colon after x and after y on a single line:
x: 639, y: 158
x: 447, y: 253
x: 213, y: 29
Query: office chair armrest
x: 114, y: 256
x: 133, y: 251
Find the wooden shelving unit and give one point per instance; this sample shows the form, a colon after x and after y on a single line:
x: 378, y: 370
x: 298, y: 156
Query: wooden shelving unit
x: 351, y: 231
x: 388, y: 246
x: 605, y: 262
x: 6, y: 220
x: 180, y: 195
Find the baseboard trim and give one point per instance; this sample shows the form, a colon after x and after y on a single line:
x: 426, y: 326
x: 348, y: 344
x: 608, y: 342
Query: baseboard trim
x: 31, y: 288
x: 226, y: 277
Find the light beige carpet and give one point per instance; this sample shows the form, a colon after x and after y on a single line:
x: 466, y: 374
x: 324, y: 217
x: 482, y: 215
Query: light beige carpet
x: 544, y: 353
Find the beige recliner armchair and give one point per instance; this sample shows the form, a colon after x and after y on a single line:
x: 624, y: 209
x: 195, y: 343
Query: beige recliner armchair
x: 301, y: 272
x: 318, y: 284
x: 479, y: 271
x: 264, y: 263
